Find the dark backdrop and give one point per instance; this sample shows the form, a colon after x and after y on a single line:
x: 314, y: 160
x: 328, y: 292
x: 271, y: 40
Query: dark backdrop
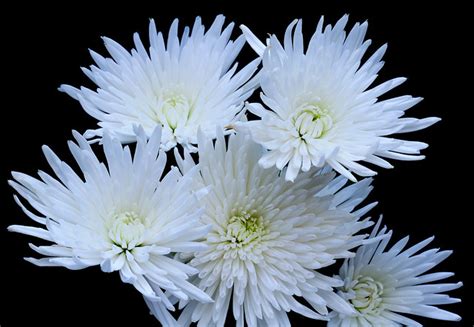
x: 44, y: 46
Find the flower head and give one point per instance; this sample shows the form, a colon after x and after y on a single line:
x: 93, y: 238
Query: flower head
x: 123, y: 218
x: 382, y: 285
x: 322, y: 109
x: 269, y: 237
x: 181, y: 85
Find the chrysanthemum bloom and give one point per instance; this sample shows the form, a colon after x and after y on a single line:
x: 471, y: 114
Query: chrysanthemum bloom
x: 382, y: 285
x: 122, y: 218
x: 182, y: 84
x: 322, y: 109
x: 269, y: 237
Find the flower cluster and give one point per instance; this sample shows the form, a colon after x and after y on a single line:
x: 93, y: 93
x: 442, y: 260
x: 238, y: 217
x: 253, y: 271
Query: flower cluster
x: 242, y: 228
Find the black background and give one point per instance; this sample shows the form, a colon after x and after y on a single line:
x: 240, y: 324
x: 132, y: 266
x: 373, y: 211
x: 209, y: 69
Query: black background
x: 43, y: 47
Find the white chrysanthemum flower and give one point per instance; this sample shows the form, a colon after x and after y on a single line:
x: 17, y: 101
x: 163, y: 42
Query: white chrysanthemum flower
x: 322, y: 109
x: 381, y: 285
x: 122, y: 218
x: 269, y: 237
x: 182, y: 84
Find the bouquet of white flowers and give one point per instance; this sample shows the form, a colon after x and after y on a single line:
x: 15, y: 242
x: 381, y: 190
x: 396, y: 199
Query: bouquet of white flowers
x: 258, y: 203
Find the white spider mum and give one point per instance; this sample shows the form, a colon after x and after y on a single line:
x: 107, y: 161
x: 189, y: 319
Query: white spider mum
x: 322, y: 109
x: 269, y: 237
x: 122, y: 218
x: 382, y: 285
x: 182, y: 84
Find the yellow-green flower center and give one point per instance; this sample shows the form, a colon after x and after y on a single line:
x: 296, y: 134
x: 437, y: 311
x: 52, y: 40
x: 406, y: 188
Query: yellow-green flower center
x: 368, y: 295
x: 174, y: 111
x: 243, y: 234
x: 127, y: 230
x: 312, y: 121
x: 245, y: 227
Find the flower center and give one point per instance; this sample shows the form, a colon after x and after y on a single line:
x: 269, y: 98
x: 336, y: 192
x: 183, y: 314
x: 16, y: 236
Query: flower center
x: 243, y: 234
x: 175, y: 110
x: 127, y: 230
x: 312, y: 121
x: 368, y: 295
x: 244, y: 227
